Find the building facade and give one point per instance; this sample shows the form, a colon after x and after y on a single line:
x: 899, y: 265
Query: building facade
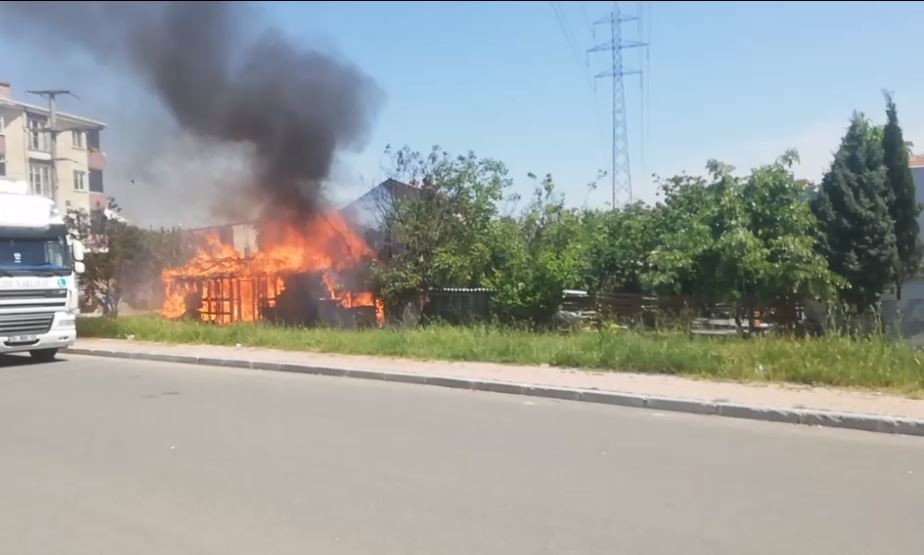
x: 905, y: 317
x: 917, y: 173
x: 26, y: 153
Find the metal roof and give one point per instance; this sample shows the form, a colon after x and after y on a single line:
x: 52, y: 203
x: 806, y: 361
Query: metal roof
x: 461, y: 290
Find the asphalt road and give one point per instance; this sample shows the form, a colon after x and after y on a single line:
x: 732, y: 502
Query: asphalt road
x: 108, y: 456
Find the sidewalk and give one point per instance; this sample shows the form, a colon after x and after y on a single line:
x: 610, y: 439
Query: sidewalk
x: 779, y: 397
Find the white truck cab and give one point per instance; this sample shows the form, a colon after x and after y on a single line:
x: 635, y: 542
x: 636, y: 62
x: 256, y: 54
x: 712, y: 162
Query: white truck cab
x: 39, y: 264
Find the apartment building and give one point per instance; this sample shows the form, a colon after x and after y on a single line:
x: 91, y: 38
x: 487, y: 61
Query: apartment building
x: 25, y: 152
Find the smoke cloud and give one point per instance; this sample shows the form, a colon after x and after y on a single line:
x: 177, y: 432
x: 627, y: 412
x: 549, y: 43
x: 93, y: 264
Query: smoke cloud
x: 291, y: 109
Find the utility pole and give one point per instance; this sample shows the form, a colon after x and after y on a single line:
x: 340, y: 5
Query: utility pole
x: 52, y: 129
x: 620, y: 173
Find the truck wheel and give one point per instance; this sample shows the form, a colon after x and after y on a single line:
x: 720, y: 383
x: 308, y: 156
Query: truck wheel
x: 44, y: 355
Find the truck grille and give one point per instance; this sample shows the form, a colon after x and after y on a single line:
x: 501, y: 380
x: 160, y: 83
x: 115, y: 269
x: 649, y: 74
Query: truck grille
x: 25, y: 324
x: 35, y: 298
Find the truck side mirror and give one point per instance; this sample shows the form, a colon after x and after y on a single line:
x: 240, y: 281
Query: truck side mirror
x: 79, y: 267
x: 78, y: 251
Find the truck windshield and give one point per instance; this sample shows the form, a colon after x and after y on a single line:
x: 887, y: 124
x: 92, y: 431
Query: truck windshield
x: 27, y: 253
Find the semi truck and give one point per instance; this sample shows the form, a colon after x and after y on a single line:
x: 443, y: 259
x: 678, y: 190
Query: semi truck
x: 39, y: 264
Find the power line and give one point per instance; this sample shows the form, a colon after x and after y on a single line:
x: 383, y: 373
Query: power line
x: 584, y: 14
x: 648, y: 110
x: 572, y: 43
x: 641, y: 89
x: 621, y: 174
x: 576, y: 50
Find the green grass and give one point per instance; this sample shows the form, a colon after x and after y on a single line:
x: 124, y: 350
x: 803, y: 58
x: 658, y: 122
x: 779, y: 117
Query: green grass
x: 833, y: 360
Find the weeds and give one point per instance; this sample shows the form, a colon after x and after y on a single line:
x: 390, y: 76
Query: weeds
x: 835, y: 360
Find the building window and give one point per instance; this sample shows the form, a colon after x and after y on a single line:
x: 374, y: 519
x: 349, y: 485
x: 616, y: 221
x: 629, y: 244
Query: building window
x: 38, y: 134
x: 2, y: 165
x: 93, y: 139
x: 77, y: 139
x: 80, y: 180
x: 40, y: 179
x: 96, y: 181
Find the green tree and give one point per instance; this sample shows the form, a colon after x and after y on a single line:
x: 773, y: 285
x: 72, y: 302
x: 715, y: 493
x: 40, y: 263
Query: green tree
x: 683, y: 261
x: 123, y: 258
x: 536, y: 256
x: 784, y: 228
x: 440, y: 235
x: 852, y: 208
x: 903, y: 206
x: 746, y: 241
x: 619, y: 248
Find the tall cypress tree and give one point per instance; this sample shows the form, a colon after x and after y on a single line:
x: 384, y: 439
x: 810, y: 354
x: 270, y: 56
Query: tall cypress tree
x: 852, y: 207
x: 903, y: 206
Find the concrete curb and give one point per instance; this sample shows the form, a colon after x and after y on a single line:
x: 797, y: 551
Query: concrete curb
x: 855, y: 421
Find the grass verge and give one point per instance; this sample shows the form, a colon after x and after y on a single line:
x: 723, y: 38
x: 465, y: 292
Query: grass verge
x: 833, y: 360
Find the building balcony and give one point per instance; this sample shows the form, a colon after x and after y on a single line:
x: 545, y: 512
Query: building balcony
x: 41, y: 155
x: 98, y: 201
x: 96, y: 159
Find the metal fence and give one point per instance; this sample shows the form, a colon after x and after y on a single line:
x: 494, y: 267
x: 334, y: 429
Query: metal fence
x: 459, y: 305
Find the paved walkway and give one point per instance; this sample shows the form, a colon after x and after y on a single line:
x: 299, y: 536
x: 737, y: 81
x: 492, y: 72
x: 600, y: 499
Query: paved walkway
x: 778, y: 396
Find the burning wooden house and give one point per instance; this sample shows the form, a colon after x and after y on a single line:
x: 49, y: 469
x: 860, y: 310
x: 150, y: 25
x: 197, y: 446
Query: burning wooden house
x: 302, y: 274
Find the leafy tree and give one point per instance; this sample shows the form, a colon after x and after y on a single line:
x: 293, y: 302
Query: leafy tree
x: 440, y: 234
x: 123, y: 257
x: 115, y: 254
x: 749, y: 241
x: 852, y: 208
x: 537, y: 255
x: 903, y: 206
x: 746, y: 241
x: 683, y: 260
x: 621, y: 242
x: 784, y: 228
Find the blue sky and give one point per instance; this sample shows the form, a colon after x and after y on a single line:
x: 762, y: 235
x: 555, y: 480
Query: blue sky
x: 740, y: 82
x: 736, y: 81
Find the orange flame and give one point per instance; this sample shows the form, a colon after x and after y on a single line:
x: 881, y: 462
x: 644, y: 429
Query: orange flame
x: 222, y: 286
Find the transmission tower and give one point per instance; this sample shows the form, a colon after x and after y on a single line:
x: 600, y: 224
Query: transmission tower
x: 620, y: 173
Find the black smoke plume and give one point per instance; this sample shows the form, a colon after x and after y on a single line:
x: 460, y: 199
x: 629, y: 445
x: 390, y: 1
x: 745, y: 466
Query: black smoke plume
x: 296, y: 108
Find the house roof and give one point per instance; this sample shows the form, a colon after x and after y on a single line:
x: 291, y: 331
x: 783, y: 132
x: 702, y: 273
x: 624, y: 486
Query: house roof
x: 44, y: 111
x: 806, y: 185
x: 352, y: 210
x: 391, y: 187
x: 207, y: 228
x: 916, y: 161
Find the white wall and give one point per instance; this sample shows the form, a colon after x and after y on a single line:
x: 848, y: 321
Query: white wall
x: 907, y: 316
x: 918, y: 175
x: 75, y: 159
x: 16, y: 168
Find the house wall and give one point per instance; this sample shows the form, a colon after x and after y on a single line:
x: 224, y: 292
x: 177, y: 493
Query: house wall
x: 906, y: 317
x: 243, y: 237
x: 918, y: 175
x: 16, y: 168
x: 75, y: 159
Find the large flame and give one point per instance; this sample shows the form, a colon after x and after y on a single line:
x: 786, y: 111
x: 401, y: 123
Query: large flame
x: 221, y: 285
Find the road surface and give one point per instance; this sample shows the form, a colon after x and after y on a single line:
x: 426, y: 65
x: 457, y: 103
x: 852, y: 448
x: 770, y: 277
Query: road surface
x: 103, y: 456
